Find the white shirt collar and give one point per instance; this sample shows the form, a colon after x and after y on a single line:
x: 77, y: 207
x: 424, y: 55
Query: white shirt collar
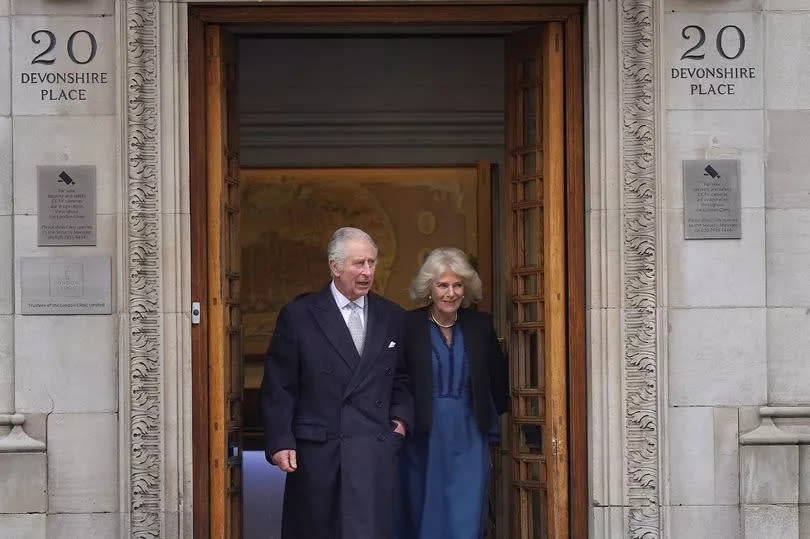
x: 342, y: 300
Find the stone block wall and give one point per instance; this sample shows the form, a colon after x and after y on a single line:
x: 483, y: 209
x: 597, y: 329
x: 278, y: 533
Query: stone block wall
x: 738, y: 311
x: 59, y: 375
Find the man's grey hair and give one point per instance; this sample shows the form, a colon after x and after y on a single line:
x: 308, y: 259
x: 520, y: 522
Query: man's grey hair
x: 336, y: 250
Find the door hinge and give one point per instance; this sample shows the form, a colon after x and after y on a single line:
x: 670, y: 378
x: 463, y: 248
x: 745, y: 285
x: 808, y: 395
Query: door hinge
x: 553, y: 445
x: 195, y: 312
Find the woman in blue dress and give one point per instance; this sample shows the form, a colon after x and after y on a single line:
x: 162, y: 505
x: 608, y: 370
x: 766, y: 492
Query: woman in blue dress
x: 459, y: 378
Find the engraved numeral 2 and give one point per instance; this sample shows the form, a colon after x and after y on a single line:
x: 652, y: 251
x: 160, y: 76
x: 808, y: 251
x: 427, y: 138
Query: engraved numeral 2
x: 721, y: 47
x: 71, y: 47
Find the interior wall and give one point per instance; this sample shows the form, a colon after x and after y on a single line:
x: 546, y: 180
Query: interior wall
x: 371, y: 100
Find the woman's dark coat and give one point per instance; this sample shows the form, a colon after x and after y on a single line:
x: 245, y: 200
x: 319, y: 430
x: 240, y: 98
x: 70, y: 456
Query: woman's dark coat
x: 487, y: 364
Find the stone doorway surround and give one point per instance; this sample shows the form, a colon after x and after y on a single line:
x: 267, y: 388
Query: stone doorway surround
x: 626, y: 356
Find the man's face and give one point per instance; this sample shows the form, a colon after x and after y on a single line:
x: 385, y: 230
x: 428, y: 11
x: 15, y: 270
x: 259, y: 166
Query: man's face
x: 355, y: 275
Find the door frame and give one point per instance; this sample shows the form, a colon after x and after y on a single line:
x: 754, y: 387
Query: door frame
x: 569, y: 12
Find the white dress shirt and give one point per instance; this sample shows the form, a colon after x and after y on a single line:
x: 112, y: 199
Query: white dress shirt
x: 342, y: 301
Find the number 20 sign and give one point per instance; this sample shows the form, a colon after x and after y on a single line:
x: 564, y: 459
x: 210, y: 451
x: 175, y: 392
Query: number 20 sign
x: 44, y: 56
x: 66, y: 68
x: 695, y: 53
x: 711, y: 60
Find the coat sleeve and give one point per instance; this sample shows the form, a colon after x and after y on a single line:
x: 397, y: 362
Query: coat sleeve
x: 279, y: 391
x: 498, y: 372
x: 402, y: 394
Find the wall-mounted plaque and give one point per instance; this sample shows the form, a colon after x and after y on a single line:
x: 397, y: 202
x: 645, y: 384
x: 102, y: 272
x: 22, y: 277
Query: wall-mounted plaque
x: 64, y: 65
x: 66, y: 285
x: 714, y: 61
x: 66, y: 205
x: 711, y: 199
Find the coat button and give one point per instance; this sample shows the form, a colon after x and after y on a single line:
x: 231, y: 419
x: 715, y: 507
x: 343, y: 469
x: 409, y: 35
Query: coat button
x: 381, y: 436
x: 348, y: 402
x: 329, y: 370
x: 379, y: 404
x: 388, y: 371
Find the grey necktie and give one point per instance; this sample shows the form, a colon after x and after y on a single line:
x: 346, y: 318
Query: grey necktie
x: 356, y: 325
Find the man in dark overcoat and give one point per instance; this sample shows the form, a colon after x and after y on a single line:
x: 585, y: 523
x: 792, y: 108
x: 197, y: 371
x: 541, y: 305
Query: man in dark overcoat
x: 336, y: 400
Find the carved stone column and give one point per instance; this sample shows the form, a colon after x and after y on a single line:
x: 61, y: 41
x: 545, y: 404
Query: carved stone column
x: 641, y: 375
x: 143, y: 252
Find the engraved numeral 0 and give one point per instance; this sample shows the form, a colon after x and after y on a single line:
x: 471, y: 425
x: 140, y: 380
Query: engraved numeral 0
x: 721, y: 48
x: 71, y: 46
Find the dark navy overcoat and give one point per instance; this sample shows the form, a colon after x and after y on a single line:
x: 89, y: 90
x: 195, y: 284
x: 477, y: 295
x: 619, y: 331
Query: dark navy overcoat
x: 334, y: 408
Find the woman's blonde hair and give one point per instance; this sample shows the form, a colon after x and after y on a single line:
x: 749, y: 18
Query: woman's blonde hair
x: 443, y: 260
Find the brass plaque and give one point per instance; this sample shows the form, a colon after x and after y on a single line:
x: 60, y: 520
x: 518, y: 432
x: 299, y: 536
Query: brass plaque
x: 65, y: 285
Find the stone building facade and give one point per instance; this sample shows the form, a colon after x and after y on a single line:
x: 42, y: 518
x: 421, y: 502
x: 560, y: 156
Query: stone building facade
x: 698, y: 381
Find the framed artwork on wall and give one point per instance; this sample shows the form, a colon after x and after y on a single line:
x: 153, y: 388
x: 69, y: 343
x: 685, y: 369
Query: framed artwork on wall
x: 288, y: 215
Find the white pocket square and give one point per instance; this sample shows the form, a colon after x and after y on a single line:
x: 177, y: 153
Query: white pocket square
x: 392, y: 344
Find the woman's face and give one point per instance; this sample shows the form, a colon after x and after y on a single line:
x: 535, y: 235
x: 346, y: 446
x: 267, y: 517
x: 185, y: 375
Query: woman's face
x: 447, y: 292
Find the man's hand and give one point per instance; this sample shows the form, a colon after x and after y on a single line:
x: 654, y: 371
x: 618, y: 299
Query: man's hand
x: 400, y: 427
x: 286, y: 460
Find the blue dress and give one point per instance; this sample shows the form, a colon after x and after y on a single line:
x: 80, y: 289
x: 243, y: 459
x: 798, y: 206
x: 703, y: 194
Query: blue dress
x: 444, y: 472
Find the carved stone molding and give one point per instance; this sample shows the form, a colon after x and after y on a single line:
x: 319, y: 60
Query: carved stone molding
x: 780, y: 425
x: 17, y: 440
x: 639, y: 253
x: 143, y: 259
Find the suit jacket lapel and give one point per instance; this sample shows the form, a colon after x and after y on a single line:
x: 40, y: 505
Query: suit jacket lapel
x: 376, y: 325
x: 332, y: 324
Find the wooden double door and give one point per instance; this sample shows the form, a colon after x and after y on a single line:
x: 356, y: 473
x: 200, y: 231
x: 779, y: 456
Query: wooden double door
x: 538, y: 263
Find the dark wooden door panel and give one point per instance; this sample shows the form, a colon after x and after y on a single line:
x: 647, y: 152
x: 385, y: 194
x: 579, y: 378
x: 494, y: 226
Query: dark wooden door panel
x: 536, y: 254
x: 224, y: 317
